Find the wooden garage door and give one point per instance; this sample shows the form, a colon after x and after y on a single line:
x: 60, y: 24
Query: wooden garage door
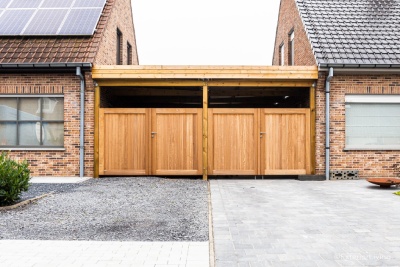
x: 123, y: 141
x: 233, y: 141
x: 285, y: 141
x: 176, y: 141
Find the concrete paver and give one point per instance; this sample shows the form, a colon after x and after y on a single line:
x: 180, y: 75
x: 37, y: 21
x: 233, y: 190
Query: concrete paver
x: 295, y: 223
x: 30, y: 253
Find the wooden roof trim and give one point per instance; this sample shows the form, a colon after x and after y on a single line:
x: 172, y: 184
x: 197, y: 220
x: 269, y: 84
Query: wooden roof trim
x: 206, y: 72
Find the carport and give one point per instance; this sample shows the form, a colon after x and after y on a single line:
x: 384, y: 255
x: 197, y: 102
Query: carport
x: 204, y: 120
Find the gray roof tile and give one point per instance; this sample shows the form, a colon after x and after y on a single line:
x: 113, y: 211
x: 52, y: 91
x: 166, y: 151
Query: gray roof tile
x: 353, y: 31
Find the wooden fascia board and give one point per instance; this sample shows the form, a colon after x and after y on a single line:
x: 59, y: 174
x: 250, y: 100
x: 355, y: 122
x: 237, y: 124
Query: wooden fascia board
x: 201, y: 73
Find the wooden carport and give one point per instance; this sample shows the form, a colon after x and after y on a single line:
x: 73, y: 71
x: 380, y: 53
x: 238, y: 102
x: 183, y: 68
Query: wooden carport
x: 250, y: 122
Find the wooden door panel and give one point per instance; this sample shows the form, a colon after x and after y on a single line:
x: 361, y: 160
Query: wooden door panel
x: 233, y: 141
x: 176, y: 141
x: 285, y: 144
x: 123, y: 142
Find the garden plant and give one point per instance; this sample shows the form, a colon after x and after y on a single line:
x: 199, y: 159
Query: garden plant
x: 14, y: 179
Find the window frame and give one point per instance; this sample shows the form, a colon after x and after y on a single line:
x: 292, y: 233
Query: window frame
x: 119, y: 55
x: 282, y: 54
x: 128, y: 53
x: 17, y: 122
x: 369, y: 99
x: 291, y: 48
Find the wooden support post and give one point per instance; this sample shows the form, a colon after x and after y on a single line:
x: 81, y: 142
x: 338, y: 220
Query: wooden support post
x: 96, y: 130
x: 312, y: 129
x: 205, y: 131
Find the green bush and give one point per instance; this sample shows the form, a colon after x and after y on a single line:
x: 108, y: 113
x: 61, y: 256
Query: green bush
x: 14, y: 179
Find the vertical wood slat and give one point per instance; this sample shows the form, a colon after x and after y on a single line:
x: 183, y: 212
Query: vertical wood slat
x: 285, y: 148
x: 233, y: 141
x: 312, y: 131
x: 176, y: 144
x: 96, y: 131
x: 205, y: 132
x: 123, y: 142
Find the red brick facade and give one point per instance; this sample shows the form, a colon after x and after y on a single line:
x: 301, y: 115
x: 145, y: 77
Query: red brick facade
x: 288, y: 21
x: 55, y: 162
x: 369, y: 163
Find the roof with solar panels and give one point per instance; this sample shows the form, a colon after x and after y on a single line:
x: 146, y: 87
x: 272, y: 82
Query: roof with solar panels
x: 51, y: 31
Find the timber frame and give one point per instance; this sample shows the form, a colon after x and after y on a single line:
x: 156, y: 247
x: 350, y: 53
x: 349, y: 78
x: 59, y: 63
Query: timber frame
x: 205, y: 77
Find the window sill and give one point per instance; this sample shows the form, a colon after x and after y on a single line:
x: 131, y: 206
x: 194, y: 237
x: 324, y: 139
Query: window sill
x: 32, y: 149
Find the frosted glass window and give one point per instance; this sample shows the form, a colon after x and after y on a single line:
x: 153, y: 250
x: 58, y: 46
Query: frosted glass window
x: 8, y: 109
x: 53, y: 134
x: 373, y: 126
x: 31, y: 121
x: 8, y: 133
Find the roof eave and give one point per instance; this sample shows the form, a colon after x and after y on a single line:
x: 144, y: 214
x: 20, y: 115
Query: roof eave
x: 351, y: 67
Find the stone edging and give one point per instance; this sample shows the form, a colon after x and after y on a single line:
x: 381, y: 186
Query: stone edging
x: 25, y: 202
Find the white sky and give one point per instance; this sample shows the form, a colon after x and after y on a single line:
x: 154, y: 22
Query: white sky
x: 205, y: 32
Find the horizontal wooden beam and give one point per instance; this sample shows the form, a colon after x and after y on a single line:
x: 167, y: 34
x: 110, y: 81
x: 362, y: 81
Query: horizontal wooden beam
x: 205, y: 72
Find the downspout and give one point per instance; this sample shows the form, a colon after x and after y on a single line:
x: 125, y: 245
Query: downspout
x: 327, y: 123
x: 82, y: 123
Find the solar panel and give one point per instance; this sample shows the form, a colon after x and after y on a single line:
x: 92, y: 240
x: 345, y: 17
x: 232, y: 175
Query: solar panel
x: 49, y: 17
x: 80, y: 21
x: 90, y: 3
x: 25, y: 3
x: 46, y: 22
x: 13, y: 21
x: 57, y: 3
x: 4, y: 3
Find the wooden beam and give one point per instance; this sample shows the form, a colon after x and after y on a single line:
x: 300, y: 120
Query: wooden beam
x: 96, y: 130
x: 193, y: 83
x: 206, y: 72
x: 205, y: 132
x: 312, y: 130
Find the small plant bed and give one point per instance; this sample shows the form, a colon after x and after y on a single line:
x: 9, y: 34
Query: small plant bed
x: 385, y: 182
x: 14, y: 179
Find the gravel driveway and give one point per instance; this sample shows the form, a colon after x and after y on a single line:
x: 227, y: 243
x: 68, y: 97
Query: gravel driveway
x: 107, y: 209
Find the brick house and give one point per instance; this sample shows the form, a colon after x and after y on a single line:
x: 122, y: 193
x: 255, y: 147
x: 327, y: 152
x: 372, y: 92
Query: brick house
x: 356, y: 46
x: 46, y: 58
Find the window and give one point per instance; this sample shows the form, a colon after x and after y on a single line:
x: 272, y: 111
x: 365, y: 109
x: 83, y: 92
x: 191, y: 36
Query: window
x: 119, y: 47
x: 32, y: 121
x: 291, y: 48
x: 129, y: 53
x: 282, y: 54
x: 372, y: 122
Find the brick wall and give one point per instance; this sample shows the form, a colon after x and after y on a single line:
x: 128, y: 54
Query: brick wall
x: 289, y: 20
x: 58, y: 163
x: 121, y: 18
x: 370, y: 163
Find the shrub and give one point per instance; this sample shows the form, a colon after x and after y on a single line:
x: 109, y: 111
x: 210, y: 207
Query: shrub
x: 14, y: 179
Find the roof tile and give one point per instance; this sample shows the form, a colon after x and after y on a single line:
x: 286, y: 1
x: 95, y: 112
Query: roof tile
x: 360, y: 31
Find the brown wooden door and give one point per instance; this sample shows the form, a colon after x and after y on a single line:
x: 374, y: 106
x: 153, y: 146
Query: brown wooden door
x: 233, y: 141
x: 176, y: 141
x: 285, y: 141
x: 123, y: 141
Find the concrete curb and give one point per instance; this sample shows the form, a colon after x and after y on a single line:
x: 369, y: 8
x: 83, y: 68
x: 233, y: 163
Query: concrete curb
x: 25, y: 202
x: 210, y: 229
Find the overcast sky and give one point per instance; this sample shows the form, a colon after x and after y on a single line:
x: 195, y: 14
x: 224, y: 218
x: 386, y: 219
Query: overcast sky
x: 205, y: 32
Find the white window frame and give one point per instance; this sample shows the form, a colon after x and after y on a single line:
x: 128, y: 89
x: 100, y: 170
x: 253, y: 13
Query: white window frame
x: 373, y: 99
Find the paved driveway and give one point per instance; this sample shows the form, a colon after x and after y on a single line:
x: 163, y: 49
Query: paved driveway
x: 294, y: 223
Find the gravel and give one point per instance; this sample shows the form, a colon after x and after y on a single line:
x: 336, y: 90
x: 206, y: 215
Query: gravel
x: 113, y: 209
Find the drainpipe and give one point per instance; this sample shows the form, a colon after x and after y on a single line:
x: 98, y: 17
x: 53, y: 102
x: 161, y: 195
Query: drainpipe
x: 327, y: 122
x: 82, y: 123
